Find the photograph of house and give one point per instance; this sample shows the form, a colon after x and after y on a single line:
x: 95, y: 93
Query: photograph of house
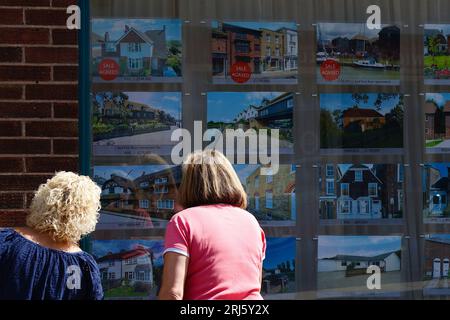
x: 437, y: 262
x: 253, y: 110
x: 437, y: 122
x: 137, y: 196
x: 364, y: 56
x: 141, y: 49
x: 355, y: 121
x: 279, y: 269
x: 343, y: 262
x: 436, y: 188
x: 129, y: 269
x: 271, y: 198
x: 270, y: 49
x: 361, y: 191
x: 436, y: 41
x: 135, y: 122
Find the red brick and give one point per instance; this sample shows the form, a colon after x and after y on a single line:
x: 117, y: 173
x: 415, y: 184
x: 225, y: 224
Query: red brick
x: 26, y: 3
x: 51, y: 55
x: 25, y: 110
x: 11, y: 16
x: 63, y: 3
x: 45, y: 17
x: 8, y: 165
x: 51, y: 164
x: 65, y: 146
x: 10, y: 201
x: 51, y: 92
x: 51, y: 129
x: 13, y: 218
x: 10, y: 128
x: 24, y: 36
x: 24, y: 73
x: 25, y: 146
x: 65, y: 37
x: 65, y: 110
x: 65, y: 73
x: 10, y: 92
x: 22, y: 182
x: 10, y: 54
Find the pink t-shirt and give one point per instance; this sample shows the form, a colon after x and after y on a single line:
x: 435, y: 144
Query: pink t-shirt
x: 225, y: 246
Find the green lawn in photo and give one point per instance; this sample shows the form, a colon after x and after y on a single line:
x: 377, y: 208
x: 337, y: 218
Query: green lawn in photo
x: 124, y: 291
x: 442, y: 62
x: 433, y: 143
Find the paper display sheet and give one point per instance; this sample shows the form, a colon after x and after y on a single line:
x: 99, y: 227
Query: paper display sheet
x: 436, y: 54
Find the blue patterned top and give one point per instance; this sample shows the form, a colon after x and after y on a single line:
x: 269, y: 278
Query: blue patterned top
x: 29, y: 271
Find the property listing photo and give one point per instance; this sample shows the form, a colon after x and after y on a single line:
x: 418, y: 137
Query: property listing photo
x: 361, y: 121
x: 129, y: 269
x: 436, y: 42
x: 137, y: 197
x: 437, y: 122
x: 351, y: 53
x: 343, y: 263
x: 134, y: 123
x: 130, y: 50
x: 435, y: 189
x: 361, y: 192
x: 271, y: 198
x: 254, y: 113
x: 278, y: 281
x: 436, y: 268
x: 254, y: 52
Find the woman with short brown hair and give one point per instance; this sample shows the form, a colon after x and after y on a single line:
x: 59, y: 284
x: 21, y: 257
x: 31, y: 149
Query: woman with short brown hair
x: 213, y: 248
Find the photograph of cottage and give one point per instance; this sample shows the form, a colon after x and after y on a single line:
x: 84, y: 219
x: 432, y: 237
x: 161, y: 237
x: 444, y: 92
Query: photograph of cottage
x: 134, y: 123
x: 364, y: 56
x: 436, y: 41
x: 129, y: 269
x: 437, y: 262
x: 361, y: 191
x: 137, y: 196
x: 136, y: 50
x: 437, y: 122
x: 254, y: 110
x: 279, y: 269
x: 343, y: 262
x: 271, y: 198
x: 356, y: 121
x: 436, y: 188
x: 270, y: 50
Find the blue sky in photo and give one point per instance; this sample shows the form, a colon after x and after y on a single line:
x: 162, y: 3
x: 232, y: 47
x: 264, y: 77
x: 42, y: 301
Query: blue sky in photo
x: 343, y: 101
x: 346, y: 166
x: 101, y: 248
x: 279, y: 250
x: 170, y: 102
x: 244, y: 170
x: 129, y: 172
x: 445, y: 28
x: 116, y: 27
x: 330, y: 31
x: 225, y: 106
x: 330, y: 246
x: 256, y: 25
x: 440, y: 98
x: 438, y: 236
x: 442, y: 167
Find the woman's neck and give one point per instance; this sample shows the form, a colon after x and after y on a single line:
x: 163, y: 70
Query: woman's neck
x: 46, y: 240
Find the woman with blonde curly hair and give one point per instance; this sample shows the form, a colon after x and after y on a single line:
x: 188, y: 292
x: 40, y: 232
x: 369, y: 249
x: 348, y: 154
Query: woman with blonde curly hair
x: 43, y: 260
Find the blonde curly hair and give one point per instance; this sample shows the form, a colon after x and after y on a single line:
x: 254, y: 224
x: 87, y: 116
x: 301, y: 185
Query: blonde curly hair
x: 66, y: 207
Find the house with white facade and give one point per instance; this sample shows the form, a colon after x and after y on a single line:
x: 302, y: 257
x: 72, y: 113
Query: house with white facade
x: 389, y: 261
x: 250, y: 113
x: 290, y: 58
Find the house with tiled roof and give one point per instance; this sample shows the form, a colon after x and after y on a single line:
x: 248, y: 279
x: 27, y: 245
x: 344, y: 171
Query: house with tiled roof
x: 362, y: 119
x: 430, y: 119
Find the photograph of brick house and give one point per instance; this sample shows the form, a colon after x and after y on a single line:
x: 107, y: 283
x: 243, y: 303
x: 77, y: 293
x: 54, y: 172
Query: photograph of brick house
x: 144, y: 196
x: 436, y: 189
x: 254, y: 110
x: 361, y: 191
x: 436, y: 40
x: 142, y: 49
x: 129, y: 269
x: 134, y: 122
x: 437, y: 122
x: 356, y: 121
x: 270, y: 50
x: 436, y: 265
x: 343, y: 262
x: 270, y: 197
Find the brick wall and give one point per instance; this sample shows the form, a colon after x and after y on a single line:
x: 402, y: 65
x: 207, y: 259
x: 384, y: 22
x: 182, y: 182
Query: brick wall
x: 38, y: 100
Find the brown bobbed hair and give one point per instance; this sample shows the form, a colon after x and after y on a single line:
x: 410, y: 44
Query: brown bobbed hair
x: 209, y: 178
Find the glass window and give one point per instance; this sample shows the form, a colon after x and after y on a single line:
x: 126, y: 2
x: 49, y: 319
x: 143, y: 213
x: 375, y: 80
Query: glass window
x: 358, y: 176
x: 269, y: 200
x: 345, y: 189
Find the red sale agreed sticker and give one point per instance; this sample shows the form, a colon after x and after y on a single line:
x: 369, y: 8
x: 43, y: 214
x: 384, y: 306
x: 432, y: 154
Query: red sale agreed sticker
x: 241, y: 72
x: 108, y: 69
x: 330, y: 70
